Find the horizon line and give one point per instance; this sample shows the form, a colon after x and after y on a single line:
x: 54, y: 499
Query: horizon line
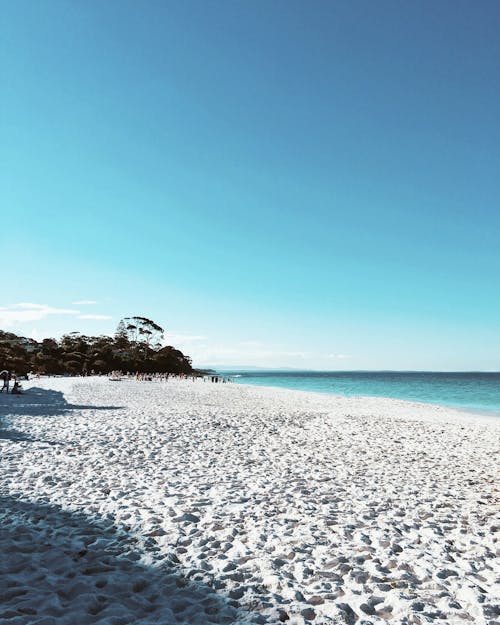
x: 251, y: 368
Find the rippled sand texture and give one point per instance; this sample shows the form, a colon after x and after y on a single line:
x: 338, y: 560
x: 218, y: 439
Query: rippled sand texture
x: 190, y: 502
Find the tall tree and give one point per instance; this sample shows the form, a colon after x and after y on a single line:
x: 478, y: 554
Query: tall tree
x: 143, y: 330
x: 121, y: 335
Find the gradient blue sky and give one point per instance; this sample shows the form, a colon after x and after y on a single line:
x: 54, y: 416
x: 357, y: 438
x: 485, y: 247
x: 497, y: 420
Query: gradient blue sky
x: 277, y: 183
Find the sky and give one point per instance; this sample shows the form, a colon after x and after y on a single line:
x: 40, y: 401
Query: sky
x: 277, y: 184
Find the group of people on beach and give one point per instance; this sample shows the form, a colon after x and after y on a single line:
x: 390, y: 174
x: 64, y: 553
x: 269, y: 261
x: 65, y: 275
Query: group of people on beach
x: 164, y: 377
x: 148, y: 377
x: 6, y: 377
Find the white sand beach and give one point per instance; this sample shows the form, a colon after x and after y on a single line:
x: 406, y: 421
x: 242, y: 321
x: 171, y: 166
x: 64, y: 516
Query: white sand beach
x: 191, y: 502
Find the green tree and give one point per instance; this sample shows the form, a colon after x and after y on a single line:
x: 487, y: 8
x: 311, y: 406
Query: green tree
x: 136, y: 346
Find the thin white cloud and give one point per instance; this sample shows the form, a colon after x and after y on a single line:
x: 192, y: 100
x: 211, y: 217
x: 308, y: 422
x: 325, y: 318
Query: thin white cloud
x: 44, y: 307
x: 339, y: 356
x: 25, y: 312
x: 84, y: 302
x: 180, y: 337
x: 251, y: 353
x: 94, y: 317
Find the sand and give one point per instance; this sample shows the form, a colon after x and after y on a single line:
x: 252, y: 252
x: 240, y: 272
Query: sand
x: 190, y: 502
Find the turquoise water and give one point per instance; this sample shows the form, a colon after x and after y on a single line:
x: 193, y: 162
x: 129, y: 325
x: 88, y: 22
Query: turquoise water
x: 479, y: 392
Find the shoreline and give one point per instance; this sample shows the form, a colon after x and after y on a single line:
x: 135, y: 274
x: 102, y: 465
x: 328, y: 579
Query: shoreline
x: 479, y: 412
x: 462, y: 412
x: 186, y: 501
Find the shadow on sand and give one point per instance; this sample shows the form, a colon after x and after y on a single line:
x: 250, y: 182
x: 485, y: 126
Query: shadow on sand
x: 13, y: 435
x: 35, y: 402
x: 61, y: 568
x: 41, y: 402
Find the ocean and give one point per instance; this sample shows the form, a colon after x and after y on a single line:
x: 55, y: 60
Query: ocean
x: 474, y: 391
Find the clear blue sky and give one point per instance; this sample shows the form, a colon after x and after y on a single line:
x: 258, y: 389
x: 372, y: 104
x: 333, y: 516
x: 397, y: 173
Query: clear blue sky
x: 277, y: 183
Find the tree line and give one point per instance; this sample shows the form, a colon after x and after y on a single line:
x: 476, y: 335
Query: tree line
x: 136, y: 346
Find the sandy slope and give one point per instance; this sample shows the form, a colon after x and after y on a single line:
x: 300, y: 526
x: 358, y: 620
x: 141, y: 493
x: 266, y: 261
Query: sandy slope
x: 190, y: 502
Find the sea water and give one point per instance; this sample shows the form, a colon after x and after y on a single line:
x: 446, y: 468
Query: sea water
x: 475, y: 391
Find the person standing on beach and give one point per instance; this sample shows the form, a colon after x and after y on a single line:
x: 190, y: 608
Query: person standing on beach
x: 16, y: 389
x: 5, y: 377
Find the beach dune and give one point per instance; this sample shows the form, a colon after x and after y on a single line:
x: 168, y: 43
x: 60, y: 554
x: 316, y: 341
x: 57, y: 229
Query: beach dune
x: 191, y: 502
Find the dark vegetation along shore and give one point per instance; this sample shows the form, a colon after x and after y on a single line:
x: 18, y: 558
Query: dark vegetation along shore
x: 136, y: 346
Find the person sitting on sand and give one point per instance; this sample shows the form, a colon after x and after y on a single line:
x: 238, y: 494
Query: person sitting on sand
x: 16, y: 389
